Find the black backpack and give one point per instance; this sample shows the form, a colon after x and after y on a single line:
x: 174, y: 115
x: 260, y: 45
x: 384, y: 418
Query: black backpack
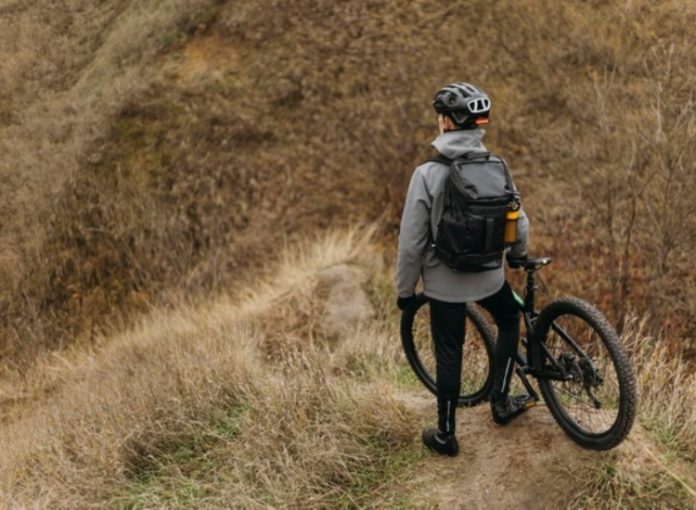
x: 479, y: 192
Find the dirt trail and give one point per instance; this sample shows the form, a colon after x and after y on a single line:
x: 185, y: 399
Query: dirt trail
x: 529, y: 464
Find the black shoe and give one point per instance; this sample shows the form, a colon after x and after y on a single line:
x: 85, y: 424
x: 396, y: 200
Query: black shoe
x: 507, y: 409
x: 445, y: 444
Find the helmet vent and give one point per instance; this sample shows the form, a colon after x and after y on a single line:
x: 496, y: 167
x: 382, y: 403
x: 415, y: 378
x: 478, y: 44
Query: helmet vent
x: 471, y: 90
x: 480, y: 105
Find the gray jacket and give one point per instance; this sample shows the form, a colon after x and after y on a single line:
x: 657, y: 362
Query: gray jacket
x: 422, y: 212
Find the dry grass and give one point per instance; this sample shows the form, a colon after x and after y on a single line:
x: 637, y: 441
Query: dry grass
x: 145, y: 146
x: 69, y: 69
x: 188, y: 409
x: 183, y: 409
x: 660, y: 471
x: 667, y: 391
x: 629, y: 483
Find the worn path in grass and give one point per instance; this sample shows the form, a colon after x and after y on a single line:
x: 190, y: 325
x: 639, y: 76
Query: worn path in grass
x: 529, y: 464
x: 522, y: 465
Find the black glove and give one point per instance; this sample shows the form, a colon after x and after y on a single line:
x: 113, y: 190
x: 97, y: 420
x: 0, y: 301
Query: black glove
x: 406, y: 303
x: 515, y: 262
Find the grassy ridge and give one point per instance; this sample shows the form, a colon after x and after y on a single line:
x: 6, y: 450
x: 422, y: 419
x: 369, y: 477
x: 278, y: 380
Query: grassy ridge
x: 210, y: 407
x: 183, y: 410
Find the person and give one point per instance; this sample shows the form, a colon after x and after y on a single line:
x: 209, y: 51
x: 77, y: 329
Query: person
x: 461, y: 111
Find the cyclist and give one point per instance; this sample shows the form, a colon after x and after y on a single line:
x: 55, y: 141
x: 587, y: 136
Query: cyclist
x: 461, y: 111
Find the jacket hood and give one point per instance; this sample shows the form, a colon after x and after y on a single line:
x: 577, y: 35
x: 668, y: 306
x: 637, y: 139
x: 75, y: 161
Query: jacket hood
x: 453, y: 144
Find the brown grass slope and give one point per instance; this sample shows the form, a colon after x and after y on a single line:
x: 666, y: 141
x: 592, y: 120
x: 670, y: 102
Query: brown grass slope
x: 158, y: 152
x: 195, y: 408
x: 152, y: 151
x: 68, y: 69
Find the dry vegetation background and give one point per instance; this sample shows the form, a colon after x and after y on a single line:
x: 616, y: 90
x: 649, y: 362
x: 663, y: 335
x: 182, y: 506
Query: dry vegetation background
x: 155, y: 150
x: 154, y: 153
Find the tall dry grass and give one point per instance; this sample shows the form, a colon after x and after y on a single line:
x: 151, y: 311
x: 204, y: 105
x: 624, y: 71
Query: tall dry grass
x: 235, y: 403
x: 659, y: 472
x: 183, y: 410
x: 667, y: 391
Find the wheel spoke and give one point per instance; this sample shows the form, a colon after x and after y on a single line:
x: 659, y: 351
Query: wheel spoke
x: 590, y: 398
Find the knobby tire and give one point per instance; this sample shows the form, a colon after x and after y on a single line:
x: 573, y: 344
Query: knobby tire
x: 592, y: 318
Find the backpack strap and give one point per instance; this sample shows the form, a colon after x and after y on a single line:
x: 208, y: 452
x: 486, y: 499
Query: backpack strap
x: 439, y: 158
x: 508, y: 175
x: 476, y: 155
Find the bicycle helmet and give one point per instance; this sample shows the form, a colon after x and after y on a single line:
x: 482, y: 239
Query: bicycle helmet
x: 467, y: 105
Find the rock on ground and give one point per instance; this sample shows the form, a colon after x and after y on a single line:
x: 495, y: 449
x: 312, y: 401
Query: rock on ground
x: 346, y: 304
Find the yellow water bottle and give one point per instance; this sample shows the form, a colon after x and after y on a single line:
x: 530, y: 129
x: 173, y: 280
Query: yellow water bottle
x: 511, y: 217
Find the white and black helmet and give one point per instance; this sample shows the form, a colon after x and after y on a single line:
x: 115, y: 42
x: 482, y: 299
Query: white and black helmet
x: 467, y: 105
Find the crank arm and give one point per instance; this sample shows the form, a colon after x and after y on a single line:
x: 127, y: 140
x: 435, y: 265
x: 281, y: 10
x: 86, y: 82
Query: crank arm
x: 530, y: 389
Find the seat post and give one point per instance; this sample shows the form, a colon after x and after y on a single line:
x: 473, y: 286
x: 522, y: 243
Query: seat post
x: 529, y: 292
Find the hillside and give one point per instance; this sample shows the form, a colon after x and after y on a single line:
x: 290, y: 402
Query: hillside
x: 192, y: 313
x: 296, y: 394
x: 145, y: 146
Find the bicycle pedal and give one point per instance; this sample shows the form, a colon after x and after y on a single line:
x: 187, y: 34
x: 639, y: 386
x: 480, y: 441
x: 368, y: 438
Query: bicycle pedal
x: 526, y: 401
x: 530, y: 403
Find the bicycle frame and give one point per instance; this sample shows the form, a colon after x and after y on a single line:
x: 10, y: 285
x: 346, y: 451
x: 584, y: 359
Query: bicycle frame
x: 532, y: 340
x: 569, y: 379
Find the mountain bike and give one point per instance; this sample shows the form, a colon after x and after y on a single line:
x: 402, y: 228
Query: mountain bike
x: 570, y: 349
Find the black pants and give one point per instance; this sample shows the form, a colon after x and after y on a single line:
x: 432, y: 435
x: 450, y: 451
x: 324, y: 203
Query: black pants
x: 448, y: 326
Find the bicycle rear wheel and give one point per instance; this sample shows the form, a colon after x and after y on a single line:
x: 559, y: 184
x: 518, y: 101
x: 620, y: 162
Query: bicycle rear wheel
x: 477, y: 355
x: 589, y: 386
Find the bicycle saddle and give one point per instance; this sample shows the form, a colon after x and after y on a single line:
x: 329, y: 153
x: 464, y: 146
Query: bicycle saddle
x: 534, y: 264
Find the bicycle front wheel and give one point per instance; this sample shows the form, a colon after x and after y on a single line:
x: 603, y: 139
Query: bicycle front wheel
x: 477, y: 355
x: 586, y: 377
